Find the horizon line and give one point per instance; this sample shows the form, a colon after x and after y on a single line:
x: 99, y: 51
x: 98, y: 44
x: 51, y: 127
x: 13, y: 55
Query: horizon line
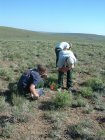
x: 50, y: 31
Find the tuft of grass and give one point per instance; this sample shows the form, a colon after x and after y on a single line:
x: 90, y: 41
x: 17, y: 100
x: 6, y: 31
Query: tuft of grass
x: 6, y: 74
x: 3, y: 105
x: 99, y: 105
x: 6, y: 130
x: 79, y: 102
x: 88, y: 109
x: 82, y: 130
x: 98, y: 101
x: 86, y: 92
x: 62, y: 99
x: 96, y: 84
x: 22, y: 108
x: 101, y: 134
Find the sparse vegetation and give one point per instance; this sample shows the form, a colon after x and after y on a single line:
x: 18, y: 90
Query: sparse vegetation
x: 56, y: 115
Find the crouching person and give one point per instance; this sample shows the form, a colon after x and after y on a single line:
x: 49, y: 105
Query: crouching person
x: 30, y: 80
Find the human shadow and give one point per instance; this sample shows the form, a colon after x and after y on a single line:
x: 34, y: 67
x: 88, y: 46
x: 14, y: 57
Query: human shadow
x: 8, y: 94
x: 4, y: 119
x: 47, y: 105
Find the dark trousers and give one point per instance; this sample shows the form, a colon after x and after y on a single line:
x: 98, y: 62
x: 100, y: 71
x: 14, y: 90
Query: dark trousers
x: 57, y: 50
x: 69, y: 78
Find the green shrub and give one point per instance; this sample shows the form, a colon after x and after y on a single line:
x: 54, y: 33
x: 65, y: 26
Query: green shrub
x: 101, y: 134
x: 19, y: 114
x: 83, y: 130
x: 7, y: 130
x: 99, y: 104
x: 3, y: 105
x: 86, y: 92
x: 62, y: 99
x: 79, y: 102
x: 98, y: 101
x: 18, y: 100
x: 88, y: 109
x: 6, y: 74
x: 21, y: 109
x: 96, y: 84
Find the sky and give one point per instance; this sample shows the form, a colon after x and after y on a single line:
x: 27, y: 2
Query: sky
x: 59, y: 16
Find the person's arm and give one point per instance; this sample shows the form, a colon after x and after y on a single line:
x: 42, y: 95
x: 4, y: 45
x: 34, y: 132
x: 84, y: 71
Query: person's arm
x: 33, y: 91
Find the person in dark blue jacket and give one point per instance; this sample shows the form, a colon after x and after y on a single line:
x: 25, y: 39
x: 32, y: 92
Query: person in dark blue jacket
x: 31, y: 79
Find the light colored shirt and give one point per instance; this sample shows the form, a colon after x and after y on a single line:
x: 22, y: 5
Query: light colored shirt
x: 63, y: 45
x: 66, y: 57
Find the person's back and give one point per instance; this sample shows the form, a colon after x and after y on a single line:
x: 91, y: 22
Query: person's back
x: 59, y: 47
x: 63, y: 45
x: 63, y: 57
x: 29, y: 77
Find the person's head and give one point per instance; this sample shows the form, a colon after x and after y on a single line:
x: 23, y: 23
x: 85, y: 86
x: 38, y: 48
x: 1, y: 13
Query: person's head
x: 42, y: 70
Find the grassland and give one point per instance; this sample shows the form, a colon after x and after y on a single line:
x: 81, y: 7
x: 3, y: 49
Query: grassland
x: 53, y: 116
